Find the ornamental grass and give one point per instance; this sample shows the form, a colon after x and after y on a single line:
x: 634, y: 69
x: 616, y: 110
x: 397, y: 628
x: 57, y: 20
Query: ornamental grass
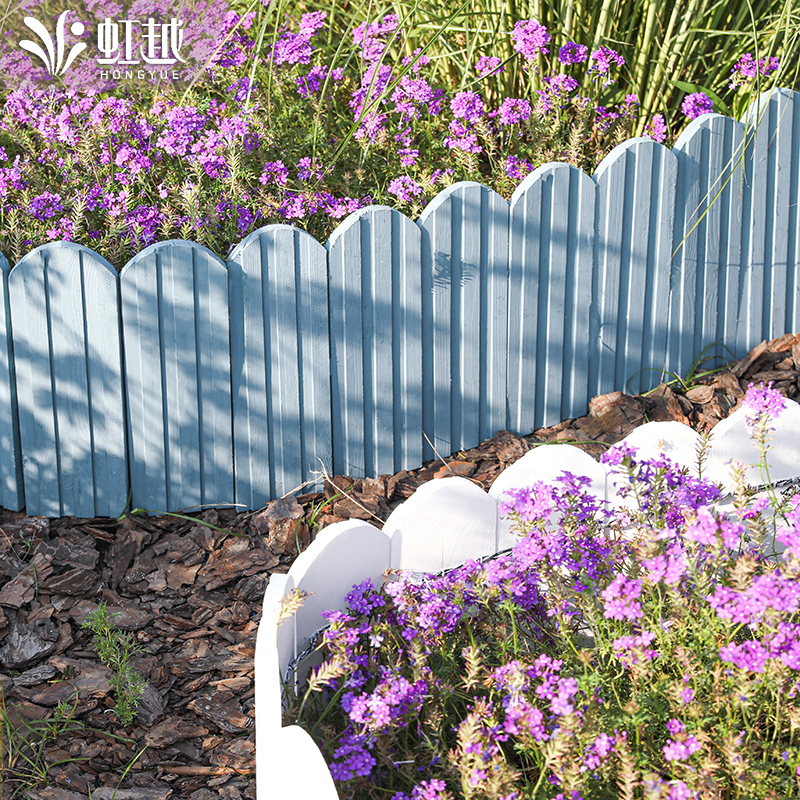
x: 277, y: 126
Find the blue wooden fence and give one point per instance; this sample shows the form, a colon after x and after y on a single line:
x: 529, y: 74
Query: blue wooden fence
x: 191, y: 380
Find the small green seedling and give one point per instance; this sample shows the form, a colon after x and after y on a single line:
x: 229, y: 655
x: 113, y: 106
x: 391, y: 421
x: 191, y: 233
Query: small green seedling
x: 115, y: 649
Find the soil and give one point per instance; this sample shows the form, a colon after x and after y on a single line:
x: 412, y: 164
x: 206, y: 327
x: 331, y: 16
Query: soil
x: 188, y: 592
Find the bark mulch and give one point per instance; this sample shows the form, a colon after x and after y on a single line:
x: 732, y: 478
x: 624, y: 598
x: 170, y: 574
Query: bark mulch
x: 190, y: 595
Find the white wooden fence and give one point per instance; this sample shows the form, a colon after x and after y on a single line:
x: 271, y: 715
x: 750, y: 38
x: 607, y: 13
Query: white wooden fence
x: 443, y: 524
x: 192, y: 380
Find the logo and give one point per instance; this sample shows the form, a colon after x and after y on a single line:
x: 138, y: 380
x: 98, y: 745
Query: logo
x: 53, y: 58
x: 116, y: 44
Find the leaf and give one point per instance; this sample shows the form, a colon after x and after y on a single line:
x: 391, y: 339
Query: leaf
x: 719, y: 104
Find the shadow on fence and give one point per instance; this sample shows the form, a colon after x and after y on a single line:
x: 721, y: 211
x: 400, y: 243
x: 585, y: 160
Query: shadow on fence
x: 191, y: 380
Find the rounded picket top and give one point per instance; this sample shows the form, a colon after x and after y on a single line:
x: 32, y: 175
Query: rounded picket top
x: 545, y: 464
x: 343, y: 555
x: 678, y: 442
x: 459, y: 190
x: 539, y: 174
x: 758, y: 111
x: 442, y: 525
x: 730, y: 441
x: 294, y: 768
x: 714, y: 122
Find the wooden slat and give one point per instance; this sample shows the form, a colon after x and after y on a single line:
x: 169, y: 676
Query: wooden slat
x: 633, y: 249
x: 465, y: 307
x: 65, y: 320
x: 550, y: 291
x: 707, y: 257
x: 177, y: 353
x: 12, y: 488
x: 772, y: 164
x: 376, y: 333
x: 280, y: 363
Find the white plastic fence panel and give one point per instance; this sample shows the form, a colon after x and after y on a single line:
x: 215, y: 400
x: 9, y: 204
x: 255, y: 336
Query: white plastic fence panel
x: 678, y: 442
x: 545, y: 463
x: 274, y: 646
x: 442, y: 525
x: 296, y: 770
x: 730, y: 441
x: 342, y: 555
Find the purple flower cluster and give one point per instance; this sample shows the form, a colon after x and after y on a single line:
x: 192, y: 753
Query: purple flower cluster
x: 762, y: 405
x: 518, y: 689
x: 746, y: 69
x: 296, y: 48
x: 530, y: 38
x: 696, y: 104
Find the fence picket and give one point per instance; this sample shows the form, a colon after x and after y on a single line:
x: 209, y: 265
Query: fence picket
x: 550, y: 294
x: 376, y: 343
x: 65, y: 322
x: 773, y: 162
x: 635, y: 216
x: 12, y: 486
x: 279, y: 363
x: 707, y: 242
x: 177, y: 354
x: 465, y: 306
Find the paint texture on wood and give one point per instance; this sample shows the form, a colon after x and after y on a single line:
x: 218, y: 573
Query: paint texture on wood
x: 245, y: 380
x: 550, y: 296
x: 707, y: 256
x: 465, y: 308
x: 12, y: 487
x: 633, y: 255
x: 280, y: 368
x: 769, y: 292
x: 376, y: 343
x: 66, y: 337
x: 177, y: 356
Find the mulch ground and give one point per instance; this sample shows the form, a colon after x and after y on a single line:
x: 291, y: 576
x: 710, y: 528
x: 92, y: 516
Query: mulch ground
x: 190, y: 595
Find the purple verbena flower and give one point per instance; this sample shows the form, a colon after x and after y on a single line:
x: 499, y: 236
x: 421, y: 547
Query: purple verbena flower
x: 488, y: 65
x: 696, y: 104
x: 657, y: 129
x: 404, y: 188
x: 513, y: 111
x: 573, y: 53
x: 530, y: 38
x: 45, y: 205
x: 620, y: 599
x: 604, y: 59
x: 468, y: 106
x: 762, y: 405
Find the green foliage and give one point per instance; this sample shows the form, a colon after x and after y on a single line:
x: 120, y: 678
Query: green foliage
x: 115, y: 649
x: 24, y: 744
